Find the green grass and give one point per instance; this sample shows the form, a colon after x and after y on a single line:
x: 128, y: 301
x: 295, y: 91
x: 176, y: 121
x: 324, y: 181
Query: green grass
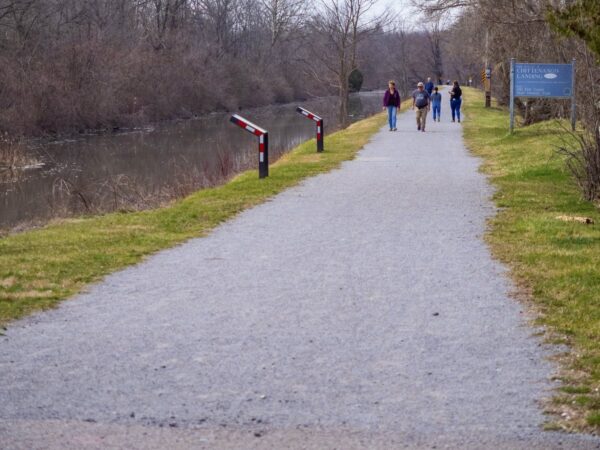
x: 39, y: 268
x: 555, y: 263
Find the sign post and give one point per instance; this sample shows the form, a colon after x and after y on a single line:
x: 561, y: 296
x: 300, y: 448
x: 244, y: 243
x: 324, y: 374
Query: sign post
x: 573, y: 103
x: 488, y: 87
x: 542, y: 81
x: 512, y: 95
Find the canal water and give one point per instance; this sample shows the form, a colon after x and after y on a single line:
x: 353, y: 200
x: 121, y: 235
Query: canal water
x: 148, y: 167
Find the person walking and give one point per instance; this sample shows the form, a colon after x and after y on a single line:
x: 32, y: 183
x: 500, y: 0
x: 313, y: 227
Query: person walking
x: 455, y: 101
x: 436, y: 104
x: 391, y: 102
x: 429, y: 86
x: 421, y: 102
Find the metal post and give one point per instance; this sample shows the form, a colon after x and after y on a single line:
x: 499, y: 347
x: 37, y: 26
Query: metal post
x: 512, y: 95
x: 263, y: 155
x: 320, y: 131
x: 263, y: 142
x: 573, y: 99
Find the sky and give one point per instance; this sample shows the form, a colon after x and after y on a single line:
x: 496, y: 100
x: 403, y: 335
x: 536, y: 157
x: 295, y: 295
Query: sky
x: 402, y: 7
x: 406, y: 12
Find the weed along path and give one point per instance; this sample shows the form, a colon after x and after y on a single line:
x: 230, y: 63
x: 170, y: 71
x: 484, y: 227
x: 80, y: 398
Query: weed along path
x: 360, y: 309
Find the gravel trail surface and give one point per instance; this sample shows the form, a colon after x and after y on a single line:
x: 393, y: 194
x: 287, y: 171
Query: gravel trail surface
x: 361, y: 309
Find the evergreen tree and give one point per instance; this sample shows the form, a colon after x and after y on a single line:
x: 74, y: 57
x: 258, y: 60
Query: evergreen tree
x: 581, y: 19
x: 355, y: 80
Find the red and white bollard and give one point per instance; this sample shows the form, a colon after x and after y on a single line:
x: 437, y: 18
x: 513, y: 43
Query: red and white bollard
x: 263, y: 143
x: 320, y: 131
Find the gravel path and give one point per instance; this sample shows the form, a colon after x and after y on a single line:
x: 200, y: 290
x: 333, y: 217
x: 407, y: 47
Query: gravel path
x: 359, y: 310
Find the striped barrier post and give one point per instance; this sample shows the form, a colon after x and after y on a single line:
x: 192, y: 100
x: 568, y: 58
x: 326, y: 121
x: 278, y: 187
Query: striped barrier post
x: 320, y: 130
x: 263, y: 143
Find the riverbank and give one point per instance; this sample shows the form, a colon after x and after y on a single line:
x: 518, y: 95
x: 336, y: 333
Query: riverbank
x: 555, y: 263
x: 39, y: 268
x: 148, y: 169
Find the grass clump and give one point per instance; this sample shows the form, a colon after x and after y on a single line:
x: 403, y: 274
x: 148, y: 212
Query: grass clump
x: 39, y: 268
x: 556, y: 262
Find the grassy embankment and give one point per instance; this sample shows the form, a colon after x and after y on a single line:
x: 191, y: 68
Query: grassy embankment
x: 556, y: 263
x: 39, y: 268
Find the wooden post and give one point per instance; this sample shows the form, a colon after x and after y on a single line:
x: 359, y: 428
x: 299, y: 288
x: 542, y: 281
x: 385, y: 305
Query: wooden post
x: 488, y: 72
x: 488, y: 87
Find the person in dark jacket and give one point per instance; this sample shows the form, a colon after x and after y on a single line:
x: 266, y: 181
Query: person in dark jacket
x: 429, y: 86
x: 391, y: 102
x: 455, y: 101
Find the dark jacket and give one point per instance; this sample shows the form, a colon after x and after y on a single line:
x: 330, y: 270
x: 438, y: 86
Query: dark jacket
x: 429, y: 87
x: 391, y: 100
x: 455, y: 93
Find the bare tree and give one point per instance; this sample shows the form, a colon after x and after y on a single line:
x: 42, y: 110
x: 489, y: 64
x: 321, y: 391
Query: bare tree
x: 400, y: 60
x: 166, y: 14
x: 341, y: 26
x: 284, y: 17
x: 71, y: 65
x: 434, y: 38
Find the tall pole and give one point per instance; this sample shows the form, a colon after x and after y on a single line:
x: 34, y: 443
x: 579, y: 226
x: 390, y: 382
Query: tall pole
x: 487, y: 47
x: 488, y: 72
x: 573, y: 100
x: 512, y: 94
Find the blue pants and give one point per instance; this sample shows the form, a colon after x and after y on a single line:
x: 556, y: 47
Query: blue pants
x: 392, y: 116
x: 436, y: 111
x: 455, y: 107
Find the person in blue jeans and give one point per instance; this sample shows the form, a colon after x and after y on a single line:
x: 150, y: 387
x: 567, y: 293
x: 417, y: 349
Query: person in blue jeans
x: 455, y: 101
x: 436, y: 104
x: 391, y: 102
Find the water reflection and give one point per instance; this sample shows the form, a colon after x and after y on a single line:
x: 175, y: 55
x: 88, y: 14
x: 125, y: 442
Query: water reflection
x: 145, y: 168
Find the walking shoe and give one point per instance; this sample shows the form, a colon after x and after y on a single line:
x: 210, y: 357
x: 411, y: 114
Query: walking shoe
x: 453, y: 121
x: 423, y: 130
x: 395, y: 129
x: 438, y: 119
x: 418, y: 127
x: 458, y: 120
x: 391, y: 129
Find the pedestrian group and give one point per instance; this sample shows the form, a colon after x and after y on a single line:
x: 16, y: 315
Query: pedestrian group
x: 425, y: 98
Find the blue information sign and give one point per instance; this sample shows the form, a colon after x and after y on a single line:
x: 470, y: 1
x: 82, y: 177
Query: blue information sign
x: 543, y: 80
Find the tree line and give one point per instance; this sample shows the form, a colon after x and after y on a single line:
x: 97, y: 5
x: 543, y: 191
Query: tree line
x: 70, y: 65
x: 73, y: 65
